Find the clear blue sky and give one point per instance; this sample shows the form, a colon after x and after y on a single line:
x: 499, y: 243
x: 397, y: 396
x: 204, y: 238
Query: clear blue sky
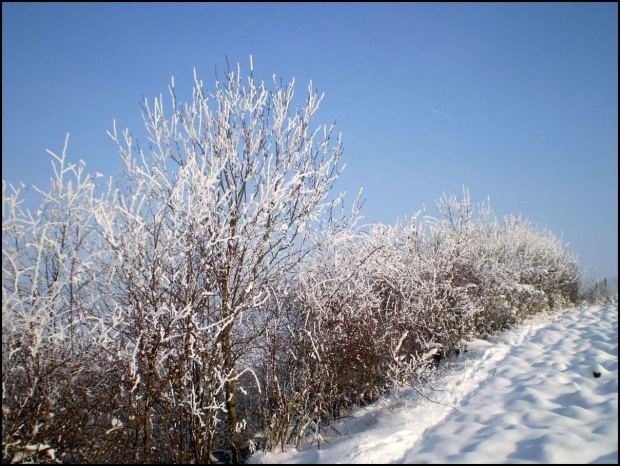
x: 518, y: 102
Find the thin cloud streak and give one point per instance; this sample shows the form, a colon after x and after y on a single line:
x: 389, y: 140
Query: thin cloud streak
x: 442, y: 114
x: 445, y: 115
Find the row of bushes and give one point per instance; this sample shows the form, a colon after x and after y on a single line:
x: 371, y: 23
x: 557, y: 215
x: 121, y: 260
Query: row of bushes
x: 372, y: 310
x: 212, y: 301
x: 365, y: 312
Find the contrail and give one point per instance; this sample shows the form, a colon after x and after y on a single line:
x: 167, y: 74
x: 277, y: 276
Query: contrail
x: 445, y: 115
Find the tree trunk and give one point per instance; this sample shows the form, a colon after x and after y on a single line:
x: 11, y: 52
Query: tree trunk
x: 231, y: 398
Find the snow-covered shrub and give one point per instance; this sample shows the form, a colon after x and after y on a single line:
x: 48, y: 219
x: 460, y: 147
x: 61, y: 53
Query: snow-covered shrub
x: 55, y: 369
x: 425, y: 275
x: 327, y: 348
x: 464, y: 274
x: 597, y: 291
x: 527, y: 270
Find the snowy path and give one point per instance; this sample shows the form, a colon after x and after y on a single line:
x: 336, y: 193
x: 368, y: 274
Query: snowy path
x: 530, y: 396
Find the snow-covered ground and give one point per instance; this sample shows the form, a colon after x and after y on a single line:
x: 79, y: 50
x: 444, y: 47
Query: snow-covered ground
x: 528, y: 396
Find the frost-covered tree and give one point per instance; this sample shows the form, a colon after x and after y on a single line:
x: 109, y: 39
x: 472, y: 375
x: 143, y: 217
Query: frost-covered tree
x: 204, y: 224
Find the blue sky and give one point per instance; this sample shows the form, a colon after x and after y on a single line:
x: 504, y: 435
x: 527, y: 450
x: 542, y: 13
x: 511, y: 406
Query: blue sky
x: 518, y: 102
